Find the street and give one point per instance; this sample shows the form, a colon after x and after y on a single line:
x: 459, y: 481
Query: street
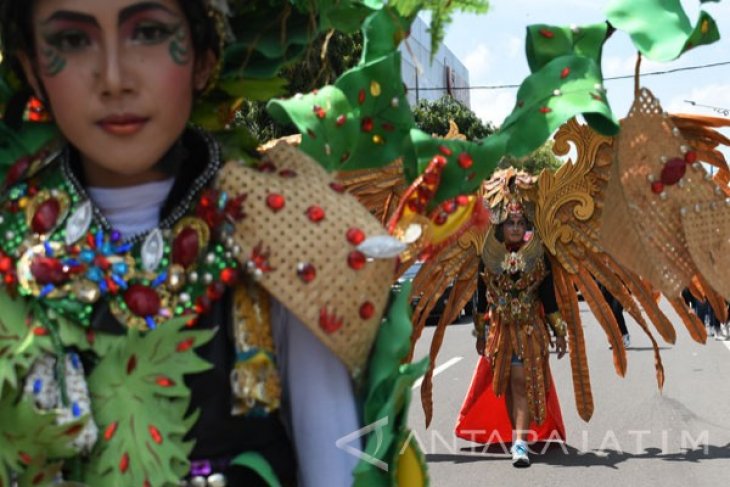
x: 637, y: 435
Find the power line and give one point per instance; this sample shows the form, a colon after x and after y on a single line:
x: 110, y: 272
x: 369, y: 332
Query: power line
x: 720, y: 110
x: 612, y: 78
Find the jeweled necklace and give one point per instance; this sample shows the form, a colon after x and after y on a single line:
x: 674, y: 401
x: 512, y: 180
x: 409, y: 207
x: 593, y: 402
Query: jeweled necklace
x: 60, y: 250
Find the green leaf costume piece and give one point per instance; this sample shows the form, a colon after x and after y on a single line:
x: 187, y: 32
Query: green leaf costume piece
x: 388, y: 393
x: 139, y: 400
x: 661, y: 29
x: 29, y: 436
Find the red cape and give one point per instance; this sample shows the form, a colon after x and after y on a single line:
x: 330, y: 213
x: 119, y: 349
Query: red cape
x: 484, y: 419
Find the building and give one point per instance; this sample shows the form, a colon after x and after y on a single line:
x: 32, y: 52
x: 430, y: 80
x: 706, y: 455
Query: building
x: 431, y: 80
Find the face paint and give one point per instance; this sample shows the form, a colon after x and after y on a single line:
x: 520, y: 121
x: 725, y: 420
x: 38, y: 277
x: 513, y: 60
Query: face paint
x: 178, y: 47
x: 53, y: 62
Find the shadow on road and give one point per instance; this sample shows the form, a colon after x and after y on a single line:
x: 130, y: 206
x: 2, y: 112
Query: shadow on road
x: 568, y: 456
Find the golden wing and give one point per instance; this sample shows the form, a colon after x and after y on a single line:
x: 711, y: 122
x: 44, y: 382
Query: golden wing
x: 457, y: 264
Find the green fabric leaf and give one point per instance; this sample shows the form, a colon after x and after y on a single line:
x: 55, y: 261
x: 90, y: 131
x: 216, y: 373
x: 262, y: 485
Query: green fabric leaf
x: 29, y: 435
x: 40, y: 473
x: 388, y: 392
x: 28, y: 140
x: 258, y: 464
x: 19, y: 346
x: 551, y: 96
x: 421, y: 148
x: 139, y: 400
x: 661, y: 29
x: 383, y: 32
x: 546, y: 42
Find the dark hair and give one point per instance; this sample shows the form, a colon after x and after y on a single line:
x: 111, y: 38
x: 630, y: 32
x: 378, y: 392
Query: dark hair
x: 16, y: 31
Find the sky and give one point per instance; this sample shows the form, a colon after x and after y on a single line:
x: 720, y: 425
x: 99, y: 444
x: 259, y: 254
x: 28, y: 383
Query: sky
x: 492, y: 47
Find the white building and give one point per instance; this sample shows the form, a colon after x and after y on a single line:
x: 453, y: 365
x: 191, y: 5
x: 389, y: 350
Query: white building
x: 431, y: 80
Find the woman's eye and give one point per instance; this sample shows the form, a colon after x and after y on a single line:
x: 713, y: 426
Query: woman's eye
x: 69, y: 41
x: 152, y: 33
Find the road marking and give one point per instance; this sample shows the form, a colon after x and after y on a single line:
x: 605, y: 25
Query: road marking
x: 438, y: 370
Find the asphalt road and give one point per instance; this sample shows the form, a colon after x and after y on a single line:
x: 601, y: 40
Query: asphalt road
x: 637, y: 436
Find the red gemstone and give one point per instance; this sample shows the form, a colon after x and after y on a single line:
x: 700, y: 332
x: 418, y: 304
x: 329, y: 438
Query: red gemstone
x: 356, y: 260
x: 367, y: 124
x: 202, y: 305
x: 10, y: 279
x: 39, y: 331
x: 102, y: 262
x: 229, y: 276
x: 163, y: 381
x: 91, y: 337
x: 142, y: 300
x: 449, y: 206
x: 657, y: 187
x: 25, y: 458
x: 46, y: 216
x: 267, y: 167
x: 545, y: 110
x: 367, y: 309
x: 355, y: 236
x: 337, y: 187
x: 431, y: 178
x: 361, y: 96
x: 38, y: 478
x: 47, y: 271
x: 344, y: 157
x: 306, y: 272
x: 548, y: 34
x: 185, y: 345
x: 155, y: 435
x: 690, y: 157
x: 462, y: 200
x: 287, y: 173
x: 17, y: 171
x: 131, y: 364
x: 315, y: 214
x: 319, y: 112
x: 210, y: 197
x: 445, y: 150
x: 5, y: 264
x: 124, y: 463
x: 275, y: 202
x: 673, y: 171
x: 415, y: 206
x: 388, y: 127
x: 341, y: 120
x: 564, y: 73
x: 439, y: 160
x: 330, y: 323
x: 215, y: 291
x: 74, y: 430
x: 441, y: 218
x: 465, y: 160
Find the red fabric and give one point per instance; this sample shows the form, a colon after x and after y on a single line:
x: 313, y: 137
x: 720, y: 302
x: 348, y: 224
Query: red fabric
x: 484, y: 419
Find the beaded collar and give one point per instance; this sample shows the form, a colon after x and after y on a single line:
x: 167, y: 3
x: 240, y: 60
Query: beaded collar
x: 60, y: 250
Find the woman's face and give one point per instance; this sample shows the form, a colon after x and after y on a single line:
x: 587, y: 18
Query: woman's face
x: 515, y: 227
x: 119, y: 76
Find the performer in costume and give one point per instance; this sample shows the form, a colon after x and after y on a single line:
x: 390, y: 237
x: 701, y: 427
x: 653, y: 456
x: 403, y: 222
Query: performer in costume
x: 515, y: 369
x: 170, y: 313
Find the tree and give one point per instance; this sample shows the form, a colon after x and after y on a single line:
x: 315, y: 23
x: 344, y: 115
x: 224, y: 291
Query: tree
x: 328, y: 57
x: 433, y: 118
x: 542, y: 158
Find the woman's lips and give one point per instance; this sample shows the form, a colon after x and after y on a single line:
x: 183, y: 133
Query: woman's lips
x: 122, y: 125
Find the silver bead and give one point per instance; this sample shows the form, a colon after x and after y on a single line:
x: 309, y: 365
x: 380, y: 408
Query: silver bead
x: 683, y: 211
x: 664, y: 159
x: 328, y: 149
x: 2, y: 219
x: 599, y: 87
x: 229, y: 242
x: 198, y: 481
x: 193, y: 276
x: 718, y: 191
x: 217, y: 480
x: 698, y: 207
x: 236, y: 250
x: 184, y: 297
x: 681, y: 183
x: 9, y: 235
x: 557, y: 92
x: 395, y: 102
x: 210, y: 258
x: 675, y: 132
x: 713, y: 205
x: 663, y: 195
x: 651, y: 178
x: 208, y: 278
x: 228, y: 255
x: 684, y: 148
x: 727, y: 201
x: 574, y: 29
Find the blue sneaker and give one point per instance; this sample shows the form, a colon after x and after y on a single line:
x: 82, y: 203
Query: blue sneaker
x: 520, y: 458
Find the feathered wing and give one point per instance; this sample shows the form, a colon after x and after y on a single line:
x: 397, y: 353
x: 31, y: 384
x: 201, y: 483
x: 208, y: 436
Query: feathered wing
x: 379, y: 190
x: 457, y: 264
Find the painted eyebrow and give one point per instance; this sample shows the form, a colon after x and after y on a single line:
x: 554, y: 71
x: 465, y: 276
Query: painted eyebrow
x: 132, y: 10
x: 67, y: 15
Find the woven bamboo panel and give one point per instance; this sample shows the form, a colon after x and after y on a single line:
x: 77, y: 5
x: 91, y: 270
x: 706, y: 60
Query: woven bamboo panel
x: 342, y: 305
x: 707, y: 229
